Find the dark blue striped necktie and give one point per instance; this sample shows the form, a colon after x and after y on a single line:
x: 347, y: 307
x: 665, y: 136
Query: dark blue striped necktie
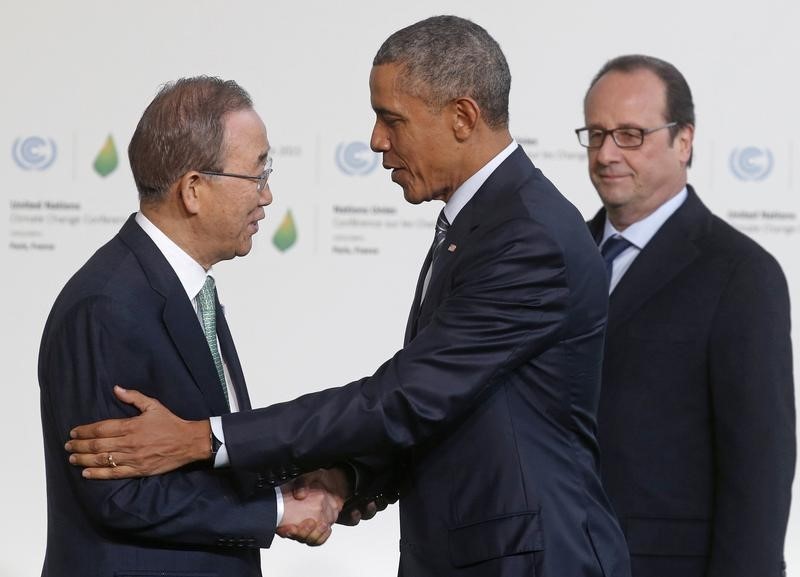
x: 442, y: 224
x: 612, y: 248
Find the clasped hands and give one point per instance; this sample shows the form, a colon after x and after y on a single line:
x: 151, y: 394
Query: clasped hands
x: 157, y: 441
x: 311, y: 505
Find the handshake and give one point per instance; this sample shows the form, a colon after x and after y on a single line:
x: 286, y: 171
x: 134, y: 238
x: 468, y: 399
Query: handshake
x: 313, y: 502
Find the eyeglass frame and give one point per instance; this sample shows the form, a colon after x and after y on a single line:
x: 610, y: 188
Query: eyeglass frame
x: 644, y: 132
x: 260, y: 180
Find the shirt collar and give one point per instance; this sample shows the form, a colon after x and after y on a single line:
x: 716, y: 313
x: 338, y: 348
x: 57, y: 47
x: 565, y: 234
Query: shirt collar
x: 189, y: 271
x: 640, y: 233
x: 467, y: 190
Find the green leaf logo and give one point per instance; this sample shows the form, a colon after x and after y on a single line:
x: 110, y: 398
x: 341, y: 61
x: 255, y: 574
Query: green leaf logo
x: 107, y: 160
x: 286, y: 235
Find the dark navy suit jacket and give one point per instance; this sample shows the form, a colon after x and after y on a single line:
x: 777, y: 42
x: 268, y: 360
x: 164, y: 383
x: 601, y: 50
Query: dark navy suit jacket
x: 488, y: 412
x: 124, y: 318
x: 696, y: 421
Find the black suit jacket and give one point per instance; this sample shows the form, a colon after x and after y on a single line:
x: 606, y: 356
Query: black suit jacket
x: 124, y: 318
x: 697, y: 412
x: 489, y: 408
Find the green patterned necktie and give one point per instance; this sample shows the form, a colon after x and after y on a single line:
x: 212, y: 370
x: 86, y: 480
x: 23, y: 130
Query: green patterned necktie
x: 206, y: 311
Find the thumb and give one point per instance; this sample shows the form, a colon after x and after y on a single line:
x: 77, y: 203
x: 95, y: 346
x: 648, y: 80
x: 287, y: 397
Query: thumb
x: 135, y: 398
x: 300, y: 488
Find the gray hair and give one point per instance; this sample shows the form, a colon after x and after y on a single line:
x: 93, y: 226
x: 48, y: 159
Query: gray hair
x: 182, y: 129
x: 446, y: 57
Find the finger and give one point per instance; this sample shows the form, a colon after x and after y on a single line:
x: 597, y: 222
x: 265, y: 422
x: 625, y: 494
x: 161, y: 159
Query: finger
x: 299, y: 532
x: 101, y: 429
x: 351, y: 518
x: 370, y: 510
x: 135, y: 398
x: 118, y: 472
x: 305, y: 528
x: 300, y: 489
x: 95, y: 447
x: 319, y: 535
x: 286, y: 531
x: 96, y: 460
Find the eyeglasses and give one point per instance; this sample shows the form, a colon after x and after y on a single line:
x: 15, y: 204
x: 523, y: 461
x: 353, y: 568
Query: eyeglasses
x: 261, y: 179
x: 623, y: 137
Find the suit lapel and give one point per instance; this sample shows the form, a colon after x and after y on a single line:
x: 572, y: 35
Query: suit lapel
x: 413, y: 315
x: 669, y: 252
x: 179, y: 317
x: 596, y: 226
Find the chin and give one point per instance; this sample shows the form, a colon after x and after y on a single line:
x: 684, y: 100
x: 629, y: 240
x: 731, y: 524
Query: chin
x: 413, y: 199
x: 610, y: 194
x: 244, y: 248
x: 414, y: 196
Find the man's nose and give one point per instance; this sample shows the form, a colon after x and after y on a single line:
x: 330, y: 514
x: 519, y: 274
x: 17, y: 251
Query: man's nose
x: 379, y: 141
x: 266, y: 196
x: 608, y: 151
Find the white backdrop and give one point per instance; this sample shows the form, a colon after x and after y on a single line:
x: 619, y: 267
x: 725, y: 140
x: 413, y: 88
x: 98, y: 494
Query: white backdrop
x: 330, y: 304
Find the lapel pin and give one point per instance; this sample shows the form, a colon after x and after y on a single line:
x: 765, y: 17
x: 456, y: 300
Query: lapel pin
x: 451, y: 248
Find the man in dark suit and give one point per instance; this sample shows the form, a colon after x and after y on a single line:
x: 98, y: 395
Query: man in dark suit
x: 483, y: 425
x: 696, y: 420
x: 141, y: 312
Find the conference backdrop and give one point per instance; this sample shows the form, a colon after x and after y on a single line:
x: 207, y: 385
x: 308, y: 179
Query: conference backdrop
x: 322, y: 298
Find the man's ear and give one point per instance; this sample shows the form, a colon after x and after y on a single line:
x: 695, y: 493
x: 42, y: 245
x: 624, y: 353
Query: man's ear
x: 684, y: 141
x: 465, y: 118
x: 191, y: 187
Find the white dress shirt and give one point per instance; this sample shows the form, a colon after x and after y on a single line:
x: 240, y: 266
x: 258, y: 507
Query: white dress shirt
x: 638, y: 234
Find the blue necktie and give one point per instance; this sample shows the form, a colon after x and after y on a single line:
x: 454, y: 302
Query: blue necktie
x: 612, y: 248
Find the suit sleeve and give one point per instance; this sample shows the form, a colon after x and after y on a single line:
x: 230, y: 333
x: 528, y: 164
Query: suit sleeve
x: 754, y: 421
x: 101, y: 343
x: 507, y: 302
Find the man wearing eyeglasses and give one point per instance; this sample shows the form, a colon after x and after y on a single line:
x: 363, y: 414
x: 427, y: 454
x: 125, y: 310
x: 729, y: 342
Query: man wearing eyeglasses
x: 143, y: 311
x: 696, y: 419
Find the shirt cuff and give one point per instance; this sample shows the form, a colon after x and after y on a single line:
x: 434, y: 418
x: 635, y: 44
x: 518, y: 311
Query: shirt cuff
x: 278, y: 506
x: 221, y: 459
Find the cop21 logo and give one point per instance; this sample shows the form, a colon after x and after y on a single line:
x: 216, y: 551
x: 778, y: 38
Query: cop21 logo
x: 34, y: 152
x: 356, y: 158
x: 751, y: 163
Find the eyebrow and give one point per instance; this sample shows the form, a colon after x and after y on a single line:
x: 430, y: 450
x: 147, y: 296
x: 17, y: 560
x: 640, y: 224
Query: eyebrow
x: 263, y: 156
x: 386, y: 112
x: 623, y: 125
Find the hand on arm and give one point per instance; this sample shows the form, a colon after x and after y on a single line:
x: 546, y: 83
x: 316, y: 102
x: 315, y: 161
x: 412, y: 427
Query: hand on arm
x: 155, y: 442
